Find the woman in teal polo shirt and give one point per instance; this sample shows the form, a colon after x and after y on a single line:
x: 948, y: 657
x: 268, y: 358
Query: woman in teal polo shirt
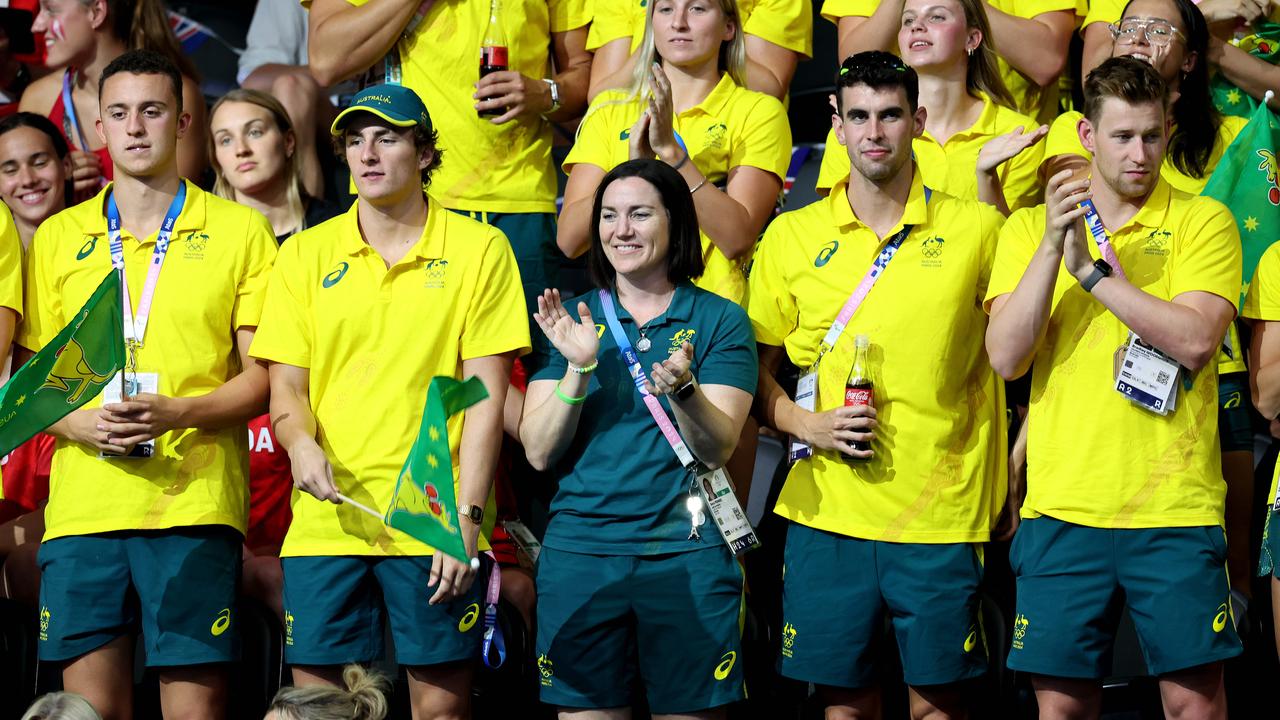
x: 631, y: 566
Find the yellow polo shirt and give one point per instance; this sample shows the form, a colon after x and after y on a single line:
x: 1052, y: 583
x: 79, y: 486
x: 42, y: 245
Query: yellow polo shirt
x: 1263, y: 303
x: 1063, y: 139
x: 1032, y: 100
x: 213, y: 282
x: 1093, y: 457
x: 786, y: 23
x: 10, y: 263
x: 372, y: 338
x: 485, y: 167
x: 939, y: 471
x: 953, y: 168
x: 731, y: 127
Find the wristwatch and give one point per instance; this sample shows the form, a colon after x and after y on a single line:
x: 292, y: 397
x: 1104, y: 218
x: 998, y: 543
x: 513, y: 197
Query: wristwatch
x: 474, y: 513
x: 1101, y: 269
x: 555, y: 95
x: 685, y: 391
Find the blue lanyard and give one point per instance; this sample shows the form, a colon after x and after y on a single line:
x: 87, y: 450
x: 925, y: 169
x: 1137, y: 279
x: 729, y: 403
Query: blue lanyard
x: 632, y: 360
x: 69, y: 114
x: 135, y: 327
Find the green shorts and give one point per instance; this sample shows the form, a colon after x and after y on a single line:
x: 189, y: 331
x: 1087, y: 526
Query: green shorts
x: 836, y: 591
x: 1074, y: 581
x: 335, y: 608
x: 679, y: 616
x: 1235, y: 427
x: 179, y: 585
x: 533, y: 240
x: 1269, y: 562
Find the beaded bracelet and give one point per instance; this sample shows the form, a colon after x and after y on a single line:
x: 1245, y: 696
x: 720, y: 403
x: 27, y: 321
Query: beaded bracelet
x: 585, y: 368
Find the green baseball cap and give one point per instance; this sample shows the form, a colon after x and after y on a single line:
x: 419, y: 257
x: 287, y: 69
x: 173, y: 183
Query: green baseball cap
x: 396, y: 104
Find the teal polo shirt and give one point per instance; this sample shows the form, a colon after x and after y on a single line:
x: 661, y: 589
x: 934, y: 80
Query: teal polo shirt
x: 621, y: 489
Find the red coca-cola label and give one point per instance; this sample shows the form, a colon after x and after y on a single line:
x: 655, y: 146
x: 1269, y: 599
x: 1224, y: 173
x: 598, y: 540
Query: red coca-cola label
x: 493, y: 56
x: 857, y: 396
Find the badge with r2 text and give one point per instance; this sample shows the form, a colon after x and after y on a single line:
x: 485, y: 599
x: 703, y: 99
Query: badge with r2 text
x: 1148, y: 377
x: 132, y: 384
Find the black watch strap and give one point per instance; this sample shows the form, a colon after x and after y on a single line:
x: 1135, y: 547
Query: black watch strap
x: 685, y: 391
x: 1101, y: 269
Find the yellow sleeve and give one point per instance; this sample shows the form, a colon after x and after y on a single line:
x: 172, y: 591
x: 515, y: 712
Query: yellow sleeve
x: 1014, y: 249
x: 568, y: 15
x: 42, y: 319
x: 285, y: 329
x: 1029, y: 9
x: 1208, y: 256
x: 594, y: 144
x: 610, y: 21
x: 770, y: 304
x: 1063, y: 139
x: 833, y: 10
x: 10, y: 264
x: 1104, y: 11
x: 765, y: 141
x: 786, y: 23
x: 260, y: 254
x: 835, y: 163
x: 1263, y: 301
x: 1021, y: 182
x: 496, y: 321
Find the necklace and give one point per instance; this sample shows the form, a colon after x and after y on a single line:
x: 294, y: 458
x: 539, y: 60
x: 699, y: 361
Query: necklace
x: 644, y: 343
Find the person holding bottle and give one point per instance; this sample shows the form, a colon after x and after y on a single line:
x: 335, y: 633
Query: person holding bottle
x: 927, y: 481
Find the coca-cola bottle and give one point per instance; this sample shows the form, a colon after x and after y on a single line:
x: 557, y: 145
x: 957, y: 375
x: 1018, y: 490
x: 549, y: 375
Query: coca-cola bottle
x: 857, y: 390
x: 493, y: 49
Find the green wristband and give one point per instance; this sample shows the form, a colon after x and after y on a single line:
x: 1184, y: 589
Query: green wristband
x: 569, y: 400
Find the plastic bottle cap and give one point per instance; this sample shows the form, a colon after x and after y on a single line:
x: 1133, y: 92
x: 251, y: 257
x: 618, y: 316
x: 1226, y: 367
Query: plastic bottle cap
x: 861, y: 341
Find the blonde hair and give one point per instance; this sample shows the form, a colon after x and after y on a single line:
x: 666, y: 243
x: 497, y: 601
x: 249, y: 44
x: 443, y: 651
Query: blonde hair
x: 61, y: 706
x: 983, y: 73
x: 733, y: 54
x: 363, y: 699
x: 293, y: 169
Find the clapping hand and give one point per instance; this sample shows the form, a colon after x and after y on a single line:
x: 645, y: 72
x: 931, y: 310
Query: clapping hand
x: 576, y: 340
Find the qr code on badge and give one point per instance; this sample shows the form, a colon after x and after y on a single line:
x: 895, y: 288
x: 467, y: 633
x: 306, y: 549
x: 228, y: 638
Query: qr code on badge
x: 1162, y: 378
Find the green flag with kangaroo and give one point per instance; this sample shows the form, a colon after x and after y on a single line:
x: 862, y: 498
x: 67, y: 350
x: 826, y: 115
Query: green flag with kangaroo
x: 68, y: 372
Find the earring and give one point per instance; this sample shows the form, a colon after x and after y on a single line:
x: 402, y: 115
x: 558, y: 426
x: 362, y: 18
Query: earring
x: 970, y: 52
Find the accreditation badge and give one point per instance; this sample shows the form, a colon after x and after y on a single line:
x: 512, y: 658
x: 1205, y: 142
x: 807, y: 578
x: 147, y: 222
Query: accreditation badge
x: 131, y: 384
x: 806, y: 398
x: 1147, y: 376
x: 717, y: 492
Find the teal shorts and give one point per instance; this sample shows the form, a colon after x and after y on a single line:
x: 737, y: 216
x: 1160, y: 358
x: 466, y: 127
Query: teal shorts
x: 1235, y: 426
x: 1074, y: 581
x: 836, y: 591
x: 1269, y: 562
x: 179, y: 586
x: 335, y: 608
x: 678, y: 616
x: 533, y: 240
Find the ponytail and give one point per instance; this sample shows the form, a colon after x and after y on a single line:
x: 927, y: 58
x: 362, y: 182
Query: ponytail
x: 144, y: 25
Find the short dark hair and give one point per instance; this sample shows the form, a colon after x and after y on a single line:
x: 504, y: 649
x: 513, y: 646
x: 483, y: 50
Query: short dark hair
x: 877, y: 70
x: 423, y: 138
x: 1123, y: 78
x: 46, y: 126
x: 144, y: 62
x: 684, y: 252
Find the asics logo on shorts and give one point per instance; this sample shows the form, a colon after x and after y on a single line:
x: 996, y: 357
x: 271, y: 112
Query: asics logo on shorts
x: 468, y: 620
x: 1233, y: 401
x: 1220, y: 619
x: 221, y: 623
x: 971, y: 640
x: 726, y: 665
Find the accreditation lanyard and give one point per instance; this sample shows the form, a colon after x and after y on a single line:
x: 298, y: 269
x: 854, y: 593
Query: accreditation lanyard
x: 135, y: 327
x: 807, y: 387
x: 1100, y: 238
x: 493, y: 639
x: 638, y: 376
x: 70, y: 122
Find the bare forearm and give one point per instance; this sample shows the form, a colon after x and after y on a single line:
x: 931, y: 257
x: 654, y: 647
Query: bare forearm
x: 573, y: 229
x: 238, y: 400
x: 292, y: 418
x: 1097, y: 47
x: 1033, y: 47
x: 991, y: 192
x: 478, y: 454
x: 1182, y: 332
x: 1253, y: 75
x: 776, y: 409
x: 877, y: 32
x: 1017, y: 327
x: 547, y: 430
x: 348, y: 39
x: 710, y: 434
x: 1266, y: 392
x: 611, y: 67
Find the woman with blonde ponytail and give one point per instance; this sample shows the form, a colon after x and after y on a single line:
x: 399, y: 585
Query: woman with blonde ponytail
x: 82, y: 37
x: 363, y: 697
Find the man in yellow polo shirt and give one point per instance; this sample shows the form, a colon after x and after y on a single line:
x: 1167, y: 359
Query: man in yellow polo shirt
x: 148, y: 498
x: 889, y: 530
x: 362, y: 312
x: 1125, y: 494
x: 496, y: 167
